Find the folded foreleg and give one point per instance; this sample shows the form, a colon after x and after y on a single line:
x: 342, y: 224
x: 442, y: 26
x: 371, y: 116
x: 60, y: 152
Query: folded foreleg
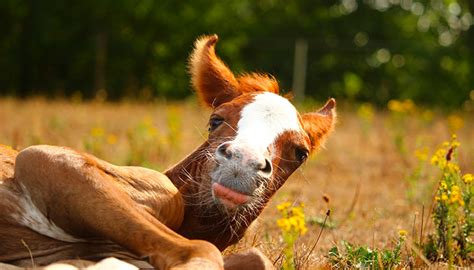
x: 83, y: 201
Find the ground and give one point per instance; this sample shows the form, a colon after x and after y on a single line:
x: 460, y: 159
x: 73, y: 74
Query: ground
x: 360, y: 175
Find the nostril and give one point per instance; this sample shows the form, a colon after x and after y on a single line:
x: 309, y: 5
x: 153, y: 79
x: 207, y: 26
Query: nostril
x: 267, y: 168
x: 224, y: 150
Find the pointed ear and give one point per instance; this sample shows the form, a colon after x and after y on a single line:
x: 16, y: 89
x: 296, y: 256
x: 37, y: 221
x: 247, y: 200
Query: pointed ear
x: 211, y: 78
x: 318, y: 125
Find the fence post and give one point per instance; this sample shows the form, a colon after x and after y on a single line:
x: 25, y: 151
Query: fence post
x: 299, y: 68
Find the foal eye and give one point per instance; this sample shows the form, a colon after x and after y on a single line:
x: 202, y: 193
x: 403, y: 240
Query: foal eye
x: 301, y: 154
x: 214, y: 123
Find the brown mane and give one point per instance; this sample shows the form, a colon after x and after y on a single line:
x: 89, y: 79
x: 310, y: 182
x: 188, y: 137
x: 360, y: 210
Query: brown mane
x: 257, y: 82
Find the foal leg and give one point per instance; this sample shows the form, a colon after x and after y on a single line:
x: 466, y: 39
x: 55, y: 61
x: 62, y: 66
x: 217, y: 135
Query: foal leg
x: 85, y: 202
x: 249, y: 259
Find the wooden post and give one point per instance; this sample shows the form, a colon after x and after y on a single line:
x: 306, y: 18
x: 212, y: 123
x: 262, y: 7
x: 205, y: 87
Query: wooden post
x: 299, y: 69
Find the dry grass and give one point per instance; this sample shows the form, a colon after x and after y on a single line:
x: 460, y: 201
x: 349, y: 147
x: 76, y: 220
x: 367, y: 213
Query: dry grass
x: 360, y: 170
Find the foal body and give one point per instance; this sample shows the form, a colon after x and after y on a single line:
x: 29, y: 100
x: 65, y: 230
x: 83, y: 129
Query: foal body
x: 57, y: 203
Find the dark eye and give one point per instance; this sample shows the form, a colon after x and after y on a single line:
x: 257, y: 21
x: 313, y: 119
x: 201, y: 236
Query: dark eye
x: 301, y: 154
x: 215, y: 122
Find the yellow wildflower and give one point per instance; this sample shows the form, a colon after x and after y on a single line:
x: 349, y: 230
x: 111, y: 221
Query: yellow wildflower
x: 394, y: 105
x: 284, y: 224
x: 439, y: 157
x: 455, y: 195
x: 454, y: 141
x: 467, y: 178
x: 283, y: 206
x: 452, y: 168
x: 401, y: 106
x: 97, y: 132
x: 455, y: 188
x: 422, y: 154
x: 293, y: 219
x: 402, y: 233
x: 444, y: 197
x: 111, y: 139
x: 303, y: 229
x: 152, y: 131
x: 443, y: 185
x: 297, y: 212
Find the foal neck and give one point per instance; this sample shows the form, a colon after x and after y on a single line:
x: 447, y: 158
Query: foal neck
x: 187, y: 170
x: 208, y: 224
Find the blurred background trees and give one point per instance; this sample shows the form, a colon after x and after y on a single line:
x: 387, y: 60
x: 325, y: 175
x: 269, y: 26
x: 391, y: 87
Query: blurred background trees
x: 369, y: 50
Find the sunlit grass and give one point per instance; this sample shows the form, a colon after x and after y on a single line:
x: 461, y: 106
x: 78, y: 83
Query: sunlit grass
x: 361, y: 167
x: 364, y: 257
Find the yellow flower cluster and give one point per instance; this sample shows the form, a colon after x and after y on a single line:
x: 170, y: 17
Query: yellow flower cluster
x: 443, y: 185
x: 97, y: 132
x: 293, y: 219
x: 468, y: 178
x: 366, y: 112
x: 450, y: 196
x: 283, y: 207
x: 454, y: 141
x: 452, y: 168
x: 455, y: 196
x: 404, y: 106
x: 402, y: 233
x: 440, y: 157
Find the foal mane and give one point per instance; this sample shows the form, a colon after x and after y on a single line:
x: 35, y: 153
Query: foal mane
x: 258, y: 82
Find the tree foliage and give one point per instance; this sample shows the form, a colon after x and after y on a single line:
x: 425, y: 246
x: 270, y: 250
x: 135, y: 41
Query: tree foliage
x: 370, y: 50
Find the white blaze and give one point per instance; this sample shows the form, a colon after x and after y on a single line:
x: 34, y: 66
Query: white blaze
x: 264, y: 119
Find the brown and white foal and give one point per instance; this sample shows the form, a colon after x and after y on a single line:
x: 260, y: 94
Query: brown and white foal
x: 57, y: 203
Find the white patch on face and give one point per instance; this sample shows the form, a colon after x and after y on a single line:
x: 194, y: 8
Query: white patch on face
x: 34, y: 219
x: 264, y: 119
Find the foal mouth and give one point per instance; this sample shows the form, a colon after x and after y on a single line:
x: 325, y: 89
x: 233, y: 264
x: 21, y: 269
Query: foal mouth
x: 229, y: 197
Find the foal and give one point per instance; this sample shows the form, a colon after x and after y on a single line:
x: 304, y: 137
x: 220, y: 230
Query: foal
x: 57, y: 203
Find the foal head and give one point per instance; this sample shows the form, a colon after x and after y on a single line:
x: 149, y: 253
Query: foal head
x: 256, y: 137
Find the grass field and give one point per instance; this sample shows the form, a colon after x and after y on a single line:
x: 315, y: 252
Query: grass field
x: 366, y: 174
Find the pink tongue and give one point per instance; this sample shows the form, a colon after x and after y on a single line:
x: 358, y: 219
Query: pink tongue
x: 229, y: 195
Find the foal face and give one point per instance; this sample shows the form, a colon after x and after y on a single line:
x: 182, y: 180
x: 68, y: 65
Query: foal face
x: 250, y: 137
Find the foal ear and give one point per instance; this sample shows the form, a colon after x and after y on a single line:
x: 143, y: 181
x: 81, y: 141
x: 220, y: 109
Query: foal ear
x: 318, y: 125
x: 211, y: 78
